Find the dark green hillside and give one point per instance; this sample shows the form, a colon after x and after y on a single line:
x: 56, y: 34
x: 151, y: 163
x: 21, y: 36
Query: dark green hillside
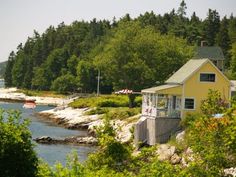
x: 129, y: 53
x: 2, y: 68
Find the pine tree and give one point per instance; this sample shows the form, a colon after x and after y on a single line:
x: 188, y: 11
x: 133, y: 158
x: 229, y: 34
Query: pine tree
x: 211, y: 26
x: 223, y: 40
x: 8, y: 71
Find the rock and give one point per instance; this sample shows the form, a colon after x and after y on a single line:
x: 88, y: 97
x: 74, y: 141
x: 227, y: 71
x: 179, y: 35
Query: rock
x: 69, y: 140
x: 44, y: 139
x: 187, y: 157
x: 175, y: 159
x: 189, y: 151
x: 165, y: 152
x: 180, y: 137
x: 230, y: 171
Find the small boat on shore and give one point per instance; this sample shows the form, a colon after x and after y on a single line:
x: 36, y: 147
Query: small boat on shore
x: 29, y: 104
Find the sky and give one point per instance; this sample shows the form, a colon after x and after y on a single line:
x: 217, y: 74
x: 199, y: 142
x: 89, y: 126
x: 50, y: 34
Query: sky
x: 19, y: 18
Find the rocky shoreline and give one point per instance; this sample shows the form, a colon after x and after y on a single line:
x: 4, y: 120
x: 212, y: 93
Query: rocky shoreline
x: 67, y: 117
x: 11, y: 95
x: 77, y: 119
x: 75, y: 140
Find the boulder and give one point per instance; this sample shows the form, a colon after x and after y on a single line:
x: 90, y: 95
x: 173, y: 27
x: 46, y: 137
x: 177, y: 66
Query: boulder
x: 175, y: 159
x: 230, y: 171
x: 165, y: 152
x: 180, y: 137
x: 44, y: 139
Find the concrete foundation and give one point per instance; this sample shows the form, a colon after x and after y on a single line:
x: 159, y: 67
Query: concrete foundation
x: 155, y: 130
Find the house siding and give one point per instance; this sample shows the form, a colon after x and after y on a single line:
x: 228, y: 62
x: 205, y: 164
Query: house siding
x: 172, y: 91
x: 199, y: 90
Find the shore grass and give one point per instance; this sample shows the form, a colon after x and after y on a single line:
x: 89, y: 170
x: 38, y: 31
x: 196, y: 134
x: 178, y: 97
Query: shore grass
x: 113, y: 106
x: 41, y: 93
x: 105, y: 101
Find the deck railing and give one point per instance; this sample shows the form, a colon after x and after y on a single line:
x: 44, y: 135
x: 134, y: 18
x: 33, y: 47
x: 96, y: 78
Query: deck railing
x: 168, y: 113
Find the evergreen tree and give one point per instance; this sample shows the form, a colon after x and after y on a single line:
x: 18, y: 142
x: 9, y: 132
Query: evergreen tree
x: 232, y: 28
x: 182, y: 9
x: 223, y: 40
x: 211, y: 26
x: 8, y: 71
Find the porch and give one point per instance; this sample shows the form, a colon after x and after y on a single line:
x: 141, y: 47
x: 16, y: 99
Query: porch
x: 158, y: 105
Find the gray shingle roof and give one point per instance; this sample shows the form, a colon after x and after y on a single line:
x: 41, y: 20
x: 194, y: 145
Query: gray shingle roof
x: 186, y: 71
x: 213, y: 53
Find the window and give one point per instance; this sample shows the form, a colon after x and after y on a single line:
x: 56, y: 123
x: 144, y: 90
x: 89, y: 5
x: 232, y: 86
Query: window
x: 189, y: 103
x: 206, y: 77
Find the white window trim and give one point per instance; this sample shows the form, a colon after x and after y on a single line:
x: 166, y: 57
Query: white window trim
x: 194, y: 103
x: 207, y: 73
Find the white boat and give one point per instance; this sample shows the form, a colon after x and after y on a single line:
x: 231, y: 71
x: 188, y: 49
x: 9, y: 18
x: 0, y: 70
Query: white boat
x: 29, y: 104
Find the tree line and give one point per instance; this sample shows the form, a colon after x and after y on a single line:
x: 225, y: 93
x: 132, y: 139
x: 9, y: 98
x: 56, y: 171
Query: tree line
x: 132, y: 53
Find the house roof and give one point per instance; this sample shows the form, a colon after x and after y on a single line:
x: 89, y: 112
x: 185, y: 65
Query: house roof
x: 213, y: 53
x: 158, y: 88
x: 186, y: 71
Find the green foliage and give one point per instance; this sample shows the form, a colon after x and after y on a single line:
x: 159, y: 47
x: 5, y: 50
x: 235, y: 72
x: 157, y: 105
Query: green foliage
x: 86, y: 76
x: 157, y: 168
x: 189, y: 120
x: 214, y: 104
x: 41, y: 93
x: 73, y: 168
x: 17, y: 156
x: 72, y: 63
x: 64, y: 84
x: 223, y: 40
x: 135, y: 57
x: 97, y: 110
x: 139, y: 51
x: 233, y: 61
x: 8, y: 71
x: 122, y: 113
x: 209, y: 138
x: 112, y: 153
x: 211, y: 26
x: 104, y: 101
x: 3, y: 68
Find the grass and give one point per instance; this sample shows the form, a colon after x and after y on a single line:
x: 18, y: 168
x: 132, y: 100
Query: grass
x: 41, y: 93
x: 112, y: 106
x: 122, y: 113
x: 105, y: 101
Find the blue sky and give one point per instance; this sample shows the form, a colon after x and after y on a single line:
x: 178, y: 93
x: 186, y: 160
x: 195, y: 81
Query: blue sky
x: 18, y: 18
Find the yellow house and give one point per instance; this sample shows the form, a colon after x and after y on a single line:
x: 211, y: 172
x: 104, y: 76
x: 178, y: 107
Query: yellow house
x: 184, y: 90
x: 164, y: 106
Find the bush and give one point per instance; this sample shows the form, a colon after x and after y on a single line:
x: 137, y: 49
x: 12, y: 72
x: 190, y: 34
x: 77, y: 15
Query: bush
x: 122, y: 113
x: 64, y: 84
x: 97, y: 111
x: 111, y: 153
x: 214, y: 104
x: 212, y: 140
x: 105, y: 101
x: 73, y: 168
x: 17, y: 156
x: 189, y: 119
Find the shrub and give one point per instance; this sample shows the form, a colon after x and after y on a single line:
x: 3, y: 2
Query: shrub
x: 111, y: 153
x: 17, y: 156
x: 105, y: 101
x: 214, y: 104
x: 97, y: 111
x: 73, y: 168
x: 122, y: 113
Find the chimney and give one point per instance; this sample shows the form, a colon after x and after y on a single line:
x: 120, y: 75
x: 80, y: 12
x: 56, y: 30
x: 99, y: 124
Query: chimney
x: 203, y: 43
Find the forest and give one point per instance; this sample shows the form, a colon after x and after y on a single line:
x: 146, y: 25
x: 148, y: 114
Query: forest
x: 132, y: 53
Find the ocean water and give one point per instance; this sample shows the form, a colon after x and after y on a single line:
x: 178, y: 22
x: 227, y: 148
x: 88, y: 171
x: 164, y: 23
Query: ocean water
x: 39, y: 127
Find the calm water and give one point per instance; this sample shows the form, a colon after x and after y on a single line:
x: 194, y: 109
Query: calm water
x: 38, y: 127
